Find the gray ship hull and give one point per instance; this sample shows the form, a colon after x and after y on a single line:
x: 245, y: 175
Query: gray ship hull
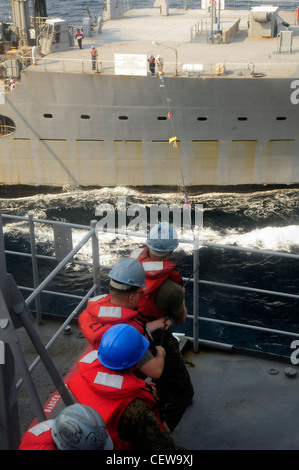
x: 78, y: 126
x: 106, y: 130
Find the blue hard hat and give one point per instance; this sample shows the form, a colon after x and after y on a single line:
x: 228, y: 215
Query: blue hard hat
x: 122, y: 346
x: 128, y: 271
x: 80, y: 427
x: 162, y: 238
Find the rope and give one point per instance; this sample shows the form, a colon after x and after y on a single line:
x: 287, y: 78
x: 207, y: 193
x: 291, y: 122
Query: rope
x: 173, y: 139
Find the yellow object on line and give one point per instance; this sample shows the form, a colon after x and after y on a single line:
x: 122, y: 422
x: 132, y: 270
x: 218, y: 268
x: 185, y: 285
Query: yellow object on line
x: 172, y: 139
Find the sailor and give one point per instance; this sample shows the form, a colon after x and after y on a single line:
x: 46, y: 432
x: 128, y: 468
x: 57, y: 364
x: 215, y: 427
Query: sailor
x: 164, y: 296
x: 159, y: 62
x: 94, y: 56
x: 105, y: 381
x: 77, y: 427
x: 151, y: 63
x: 79, y: 36
x: 126, y: 280
x: 12, y: 83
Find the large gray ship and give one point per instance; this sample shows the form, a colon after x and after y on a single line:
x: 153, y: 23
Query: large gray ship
x: 222, y: 108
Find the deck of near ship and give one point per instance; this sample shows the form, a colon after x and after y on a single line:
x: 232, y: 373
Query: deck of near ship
x: 240, y: 402
x: 135, y: 33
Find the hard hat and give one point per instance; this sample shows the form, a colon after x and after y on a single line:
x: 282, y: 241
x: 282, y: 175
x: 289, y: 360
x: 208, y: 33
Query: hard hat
x: 162, y: 238
x: 122, y: 346
x: 80, y: 427
x: 92, y: 47
x: 128, y: 272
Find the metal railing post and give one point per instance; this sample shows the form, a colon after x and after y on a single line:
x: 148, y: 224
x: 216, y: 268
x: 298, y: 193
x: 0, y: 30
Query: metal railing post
x: 95, y: 259
x: 2, y: 253
x: 58, y: 268
x: 9, y: 416
x: 34, y: 267
x: 195, y: 293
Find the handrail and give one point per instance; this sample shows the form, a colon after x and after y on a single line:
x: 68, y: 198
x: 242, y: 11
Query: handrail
x: 59, y: 331
x: 194, y: 279
x: 61, y: 65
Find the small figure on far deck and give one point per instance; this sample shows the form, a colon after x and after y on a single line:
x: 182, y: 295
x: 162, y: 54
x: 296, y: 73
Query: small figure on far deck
x: 159, y: 62
x: 94, y: 57
x: 79, y: 36
x: 151, y: 62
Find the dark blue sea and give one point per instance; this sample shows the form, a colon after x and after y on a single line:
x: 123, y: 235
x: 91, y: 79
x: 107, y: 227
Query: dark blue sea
x: 267, y: 220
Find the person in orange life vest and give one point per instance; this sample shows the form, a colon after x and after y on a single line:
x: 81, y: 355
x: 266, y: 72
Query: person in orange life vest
x: 79, y: 36
x: 151, y: 64
x: 106, y: 381
x: 94, y: 56
x: 77, y: 427
x: 126, y: 280
x: 164, y: 295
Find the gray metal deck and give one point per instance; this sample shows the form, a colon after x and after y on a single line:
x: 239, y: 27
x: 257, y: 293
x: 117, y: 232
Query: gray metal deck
x: 240, y: 403
x: 135, y: 33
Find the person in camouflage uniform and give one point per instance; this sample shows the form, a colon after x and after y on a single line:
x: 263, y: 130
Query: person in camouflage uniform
x: 140, y: 426
x: 106, y: 381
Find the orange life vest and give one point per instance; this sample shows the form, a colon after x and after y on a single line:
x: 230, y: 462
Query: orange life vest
x: 39, y: 437
x: 100, y: 314
x: 109, y: 392
x: 156, y: 273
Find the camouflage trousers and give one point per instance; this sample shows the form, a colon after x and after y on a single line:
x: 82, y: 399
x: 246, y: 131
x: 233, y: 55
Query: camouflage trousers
x: 174, y: 387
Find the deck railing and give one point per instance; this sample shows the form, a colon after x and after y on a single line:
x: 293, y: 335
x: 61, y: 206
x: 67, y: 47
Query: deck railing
x: 107, y: 67
x: 63, y: 230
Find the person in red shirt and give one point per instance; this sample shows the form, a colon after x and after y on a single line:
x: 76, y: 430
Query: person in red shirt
x: 79, y: 36
x: 77, y: 427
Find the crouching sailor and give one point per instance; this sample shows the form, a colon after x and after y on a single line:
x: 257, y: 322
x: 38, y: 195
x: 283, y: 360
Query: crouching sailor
x: 119, y: 306
x: 77, y: 427
x: 105, y: 381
